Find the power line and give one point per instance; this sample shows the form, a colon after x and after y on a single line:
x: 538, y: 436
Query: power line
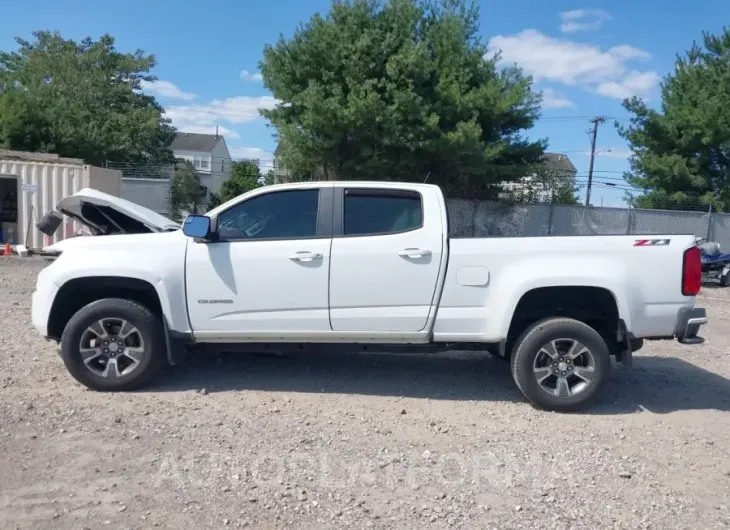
x: 270, y: 161
x: 223, y: 111
x: 574, y: 118
x: 272, y: 156
x: 167, y: 167
x: 617, y: 179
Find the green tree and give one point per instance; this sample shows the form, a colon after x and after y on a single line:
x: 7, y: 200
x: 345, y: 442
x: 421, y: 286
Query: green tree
x: 245, y: 176
x: 82, y: 100
x: 681, y: 153
x: 561, y: 185
x: 566, y: 195
x: 269, y: 178
x: 186, y: 192
x: 400, y: 89
x: 545, y: 184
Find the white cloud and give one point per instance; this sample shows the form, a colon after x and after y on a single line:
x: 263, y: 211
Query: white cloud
x: 210, y: 129
x: 265, y: 158
x: 241, y: 109
x: 573, y: 63
x: 562, y: 60
x: 633, y: 84
x: 167, y: 90
x: 204, y: 118
x: 615, y: 153
x: 628, y: 53
x: 249, y: 76
x: 607, y: 152
x: 550, y: 100
x: 583, y: 20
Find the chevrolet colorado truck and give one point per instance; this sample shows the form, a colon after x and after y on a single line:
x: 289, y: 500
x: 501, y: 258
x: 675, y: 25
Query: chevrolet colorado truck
x: 365, y: 265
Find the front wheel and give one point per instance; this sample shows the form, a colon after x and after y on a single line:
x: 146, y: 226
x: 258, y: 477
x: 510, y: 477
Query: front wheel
x: 560, y: 364
x: 113, y: 344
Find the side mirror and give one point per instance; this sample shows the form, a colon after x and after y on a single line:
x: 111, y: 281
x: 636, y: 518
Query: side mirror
x: 197, y: 226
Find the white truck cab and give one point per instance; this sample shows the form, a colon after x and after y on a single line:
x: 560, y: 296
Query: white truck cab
x: 370, y: 265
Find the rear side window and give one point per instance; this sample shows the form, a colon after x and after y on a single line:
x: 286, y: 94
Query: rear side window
x: 374, y: 212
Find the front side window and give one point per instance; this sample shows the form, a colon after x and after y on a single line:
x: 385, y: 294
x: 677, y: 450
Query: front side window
x: 278, y: 215
x: 373, y: 212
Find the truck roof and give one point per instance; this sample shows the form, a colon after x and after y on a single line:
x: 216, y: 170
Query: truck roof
x: 328, y: 184
x: 353, y: 183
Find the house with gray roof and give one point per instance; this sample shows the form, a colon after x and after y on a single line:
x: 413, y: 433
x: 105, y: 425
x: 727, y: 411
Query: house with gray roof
x: 529, y: 188
x: 208, y: 153
x: 560, y: 163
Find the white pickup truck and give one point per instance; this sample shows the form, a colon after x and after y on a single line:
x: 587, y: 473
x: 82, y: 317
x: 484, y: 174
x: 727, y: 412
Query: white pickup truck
x: 367, y: 265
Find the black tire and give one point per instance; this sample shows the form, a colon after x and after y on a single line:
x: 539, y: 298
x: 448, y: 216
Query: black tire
x: 724, y: 280
x: 527, y: 348
x: 149, y: 327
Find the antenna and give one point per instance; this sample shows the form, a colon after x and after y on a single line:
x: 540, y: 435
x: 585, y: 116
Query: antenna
x: 424, y: 180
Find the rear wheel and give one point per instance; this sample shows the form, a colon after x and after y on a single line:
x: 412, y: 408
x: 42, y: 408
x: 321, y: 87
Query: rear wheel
x: 560, y: 364
x: 113, y: 344
x: 724, y: 279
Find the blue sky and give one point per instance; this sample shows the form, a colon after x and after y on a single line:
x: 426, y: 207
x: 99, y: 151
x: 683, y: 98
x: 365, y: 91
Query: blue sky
x: 586, y: 57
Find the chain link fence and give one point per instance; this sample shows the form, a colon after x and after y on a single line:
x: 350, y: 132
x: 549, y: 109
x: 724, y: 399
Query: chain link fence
x: 499, y: 219
x: 720, y: 230
x: 152, y: 193
x: 149, y: 185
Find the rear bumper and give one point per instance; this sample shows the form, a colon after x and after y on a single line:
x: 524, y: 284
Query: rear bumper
x: 688, y: 325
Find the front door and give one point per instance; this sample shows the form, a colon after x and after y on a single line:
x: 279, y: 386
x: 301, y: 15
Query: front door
x: 385, y: 263
x: 267, y: 276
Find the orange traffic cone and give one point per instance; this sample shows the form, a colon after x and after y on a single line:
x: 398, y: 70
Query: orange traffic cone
x: 8, y: 251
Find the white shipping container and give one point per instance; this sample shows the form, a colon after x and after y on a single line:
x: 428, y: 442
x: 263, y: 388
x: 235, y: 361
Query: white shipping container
x: 41, y: 181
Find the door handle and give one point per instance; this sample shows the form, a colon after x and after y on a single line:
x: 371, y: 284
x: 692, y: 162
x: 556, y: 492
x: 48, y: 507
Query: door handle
x: 305, y: 256
x: 414, y: 252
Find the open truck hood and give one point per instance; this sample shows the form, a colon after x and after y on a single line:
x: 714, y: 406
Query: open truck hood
x: 103, y: 214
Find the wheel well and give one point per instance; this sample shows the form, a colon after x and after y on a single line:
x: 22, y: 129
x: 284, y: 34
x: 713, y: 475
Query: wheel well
x: 80, y: 292
x: 594, y: 306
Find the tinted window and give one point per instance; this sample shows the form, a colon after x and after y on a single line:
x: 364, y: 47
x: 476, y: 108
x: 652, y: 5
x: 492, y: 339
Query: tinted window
x: 279, y: 215
x: 380, y: 213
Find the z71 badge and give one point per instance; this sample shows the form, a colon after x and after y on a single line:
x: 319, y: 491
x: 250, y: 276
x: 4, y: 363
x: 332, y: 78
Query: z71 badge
x: 651, y: 242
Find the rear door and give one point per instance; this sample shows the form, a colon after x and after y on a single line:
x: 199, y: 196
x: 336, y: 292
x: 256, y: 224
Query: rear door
x: 385, y: 261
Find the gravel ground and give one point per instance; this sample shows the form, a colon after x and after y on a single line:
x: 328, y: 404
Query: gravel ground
x: 381, y: 441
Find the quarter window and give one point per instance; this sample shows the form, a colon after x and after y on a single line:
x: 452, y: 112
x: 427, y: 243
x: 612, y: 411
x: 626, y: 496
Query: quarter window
x: 373, y: 212
x: 278, y: 215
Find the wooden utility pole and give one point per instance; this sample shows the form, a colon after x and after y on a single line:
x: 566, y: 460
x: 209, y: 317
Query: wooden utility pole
x: 595, y: 121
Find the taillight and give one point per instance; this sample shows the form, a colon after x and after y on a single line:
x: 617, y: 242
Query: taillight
x: 691, y: 271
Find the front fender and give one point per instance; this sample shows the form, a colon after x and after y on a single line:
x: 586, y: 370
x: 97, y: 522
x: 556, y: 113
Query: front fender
x: 164, y: 271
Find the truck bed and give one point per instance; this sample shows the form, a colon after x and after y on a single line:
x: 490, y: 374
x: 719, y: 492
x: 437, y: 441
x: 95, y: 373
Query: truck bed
x: 486, y: 278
